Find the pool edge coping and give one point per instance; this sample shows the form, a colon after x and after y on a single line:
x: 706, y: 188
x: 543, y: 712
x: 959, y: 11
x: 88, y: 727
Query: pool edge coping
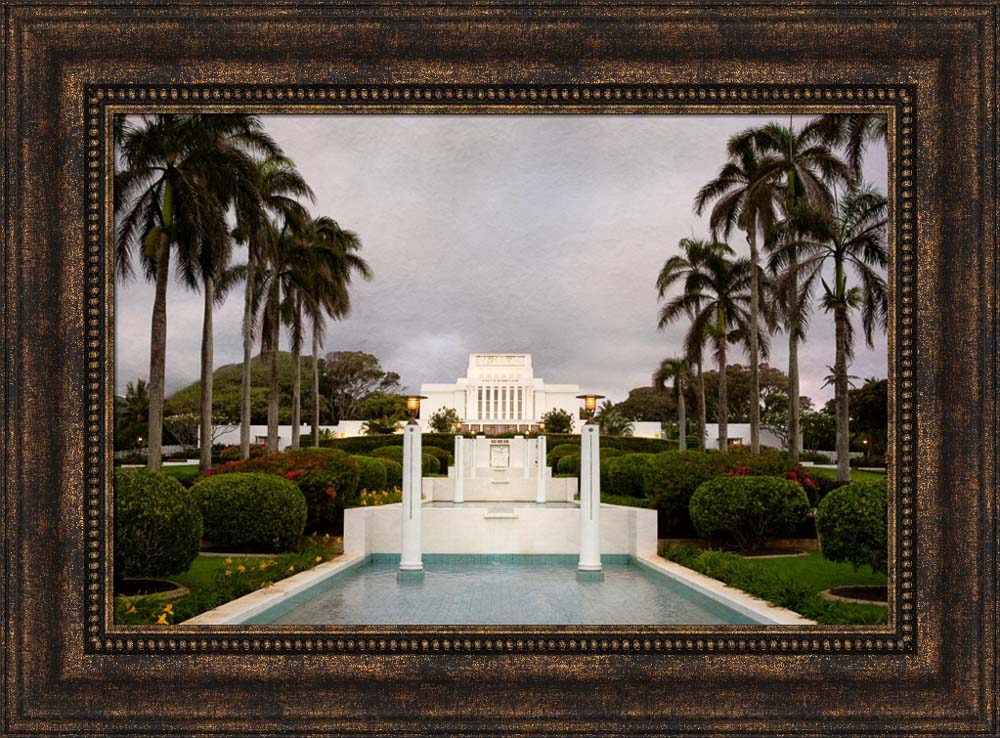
x: 238, y: 611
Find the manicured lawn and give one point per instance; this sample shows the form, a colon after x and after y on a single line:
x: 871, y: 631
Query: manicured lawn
x: 793, y: 583
x: 215, y: 580
x: 202, y: 572
x: 184, y: 474
x: 819, y: 573
x: 857, y: 475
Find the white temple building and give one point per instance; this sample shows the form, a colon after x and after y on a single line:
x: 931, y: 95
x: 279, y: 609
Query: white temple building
x: 500, y: 394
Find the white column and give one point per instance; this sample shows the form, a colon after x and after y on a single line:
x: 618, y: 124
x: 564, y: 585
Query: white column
x: 526, y: 455
x: 410, y: 559
x: 590, y: 499
x: 540, y: 488
x: 459, y: 470
x: 474, y: 458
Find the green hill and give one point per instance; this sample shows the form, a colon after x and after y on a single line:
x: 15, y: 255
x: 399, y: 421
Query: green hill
x: 226, y: 391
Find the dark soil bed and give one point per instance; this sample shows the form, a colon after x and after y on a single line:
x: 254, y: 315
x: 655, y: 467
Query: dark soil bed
x: 137, y: 587
x: 868, y: 593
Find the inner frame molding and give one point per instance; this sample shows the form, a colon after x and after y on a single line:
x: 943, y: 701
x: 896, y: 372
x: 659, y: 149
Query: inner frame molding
x: 898, y: 102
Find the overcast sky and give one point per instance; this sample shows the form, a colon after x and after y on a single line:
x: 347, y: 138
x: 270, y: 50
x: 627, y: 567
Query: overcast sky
x: 539, y: 234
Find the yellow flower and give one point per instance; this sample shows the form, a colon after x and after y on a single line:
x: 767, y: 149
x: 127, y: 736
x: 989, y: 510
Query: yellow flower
x: 162, y: 620
x: 318, y: 559
x: 131, y: 609
x: 262, y: 566
x: 168, y: 609
x: 229, y: 560
x: 241, y: 568
x: 291, y: 568
x: 229, y: 573
x: 325, y: 536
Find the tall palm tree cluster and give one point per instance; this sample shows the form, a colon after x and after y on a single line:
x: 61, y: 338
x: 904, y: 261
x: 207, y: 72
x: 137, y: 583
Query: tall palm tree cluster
x: 188, y: 190
x: 797, y: 195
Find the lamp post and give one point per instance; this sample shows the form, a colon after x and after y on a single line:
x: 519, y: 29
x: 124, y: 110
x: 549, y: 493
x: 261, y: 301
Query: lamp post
x: 411, y: 565
x: 589, y: 568
x: 458, y: 492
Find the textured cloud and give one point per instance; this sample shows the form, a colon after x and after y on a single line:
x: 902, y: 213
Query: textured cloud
x: 541, y: 234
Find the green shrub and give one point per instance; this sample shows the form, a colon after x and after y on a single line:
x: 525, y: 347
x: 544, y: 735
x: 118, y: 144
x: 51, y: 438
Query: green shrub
x: 445, y: 458
x: 563, y: 449
x: 158, y: 527
x: 251, y: 512
x: 670, y: 479
x: 749, y: 510
x: 569, y: 464
x: 388, y: 452
x: 327, y: 477
x: 853, y: 527
x: 372, y: 473
x: 768, y: 463
x: 626, y: 475
x: 393, y: 473
x: 870, y: 460
x: 816, y: 457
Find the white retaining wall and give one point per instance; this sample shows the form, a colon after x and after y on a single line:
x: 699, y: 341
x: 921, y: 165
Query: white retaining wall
x: 500, y: 529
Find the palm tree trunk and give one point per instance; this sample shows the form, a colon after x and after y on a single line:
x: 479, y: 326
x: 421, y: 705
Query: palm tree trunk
x: 272, y: 390
x: 315, y: 386
x: 681, y: 418
x: 205, y: 457
x: 794, y: 392
x: 247, y: 357
x: 754, y: 345
x: 723, y: 399
x: 296, y: 396
x: 840, y: 387
x: 158, y: 355
x: 702, y: 408
x: 793, y: 396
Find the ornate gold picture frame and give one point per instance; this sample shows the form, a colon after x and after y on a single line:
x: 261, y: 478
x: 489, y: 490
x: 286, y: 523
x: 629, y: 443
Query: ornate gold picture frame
x: 68, y: 69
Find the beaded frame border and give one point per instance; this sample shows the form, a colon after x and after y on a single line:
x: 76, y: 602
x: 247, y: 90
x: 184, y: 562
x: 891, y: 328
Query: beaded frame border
x: 103, y: 101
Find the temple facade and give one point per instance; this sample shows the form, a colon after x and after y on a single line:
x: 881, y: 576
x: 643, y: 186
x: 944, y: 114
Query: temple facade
x: 500, y: 394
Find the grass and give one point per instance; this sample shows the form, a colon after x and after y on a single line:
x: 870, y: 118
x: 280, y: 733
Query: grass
x: 793, y: 583
x: 856, y: 474
x: 184, y: 474
x: 215, y: 580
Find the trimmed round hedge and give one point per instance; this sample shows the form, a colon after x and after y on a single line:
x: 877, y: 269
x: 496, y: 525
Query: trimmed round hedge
x: 748, y: 510
x: 251, y: 512
x: 158, y: 526
x: 670, y: 478
x: 853, y: 525
x: 372, y: 475
x: 557, y: 452
x: 569, y: 464
x: 430, y: 464
x: 626, y: 474
x: 445, y: 458
x: 393, y: 473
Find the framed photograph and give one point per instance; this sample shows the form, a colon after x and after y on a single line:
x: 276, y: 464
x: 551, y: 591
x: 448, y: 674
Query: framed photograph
x: 470, y: 368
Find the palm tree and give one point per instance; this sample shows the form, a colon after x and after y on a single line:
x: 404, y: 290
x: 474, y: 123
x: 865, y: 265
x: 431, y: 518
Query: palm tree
x: 279, y: 184
x: 748, y: 201
x: 716, y: 296
x: 853, y: 132
x: 851, y: 240
x: 676, y: 370
x: 612, y: 421
x: 802, y: 165
x: 332, y: 298
x: 162, y: 204
x: 231, y: 173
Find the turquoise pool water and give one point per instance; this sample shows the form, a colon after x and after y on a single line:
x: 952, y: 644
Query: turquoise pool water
x: 500, y: 590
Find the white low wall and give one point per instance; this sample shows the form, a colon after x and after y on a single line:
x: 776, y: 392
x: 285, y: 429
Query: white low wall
x: 487, y: 486
x: 500, y: 529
